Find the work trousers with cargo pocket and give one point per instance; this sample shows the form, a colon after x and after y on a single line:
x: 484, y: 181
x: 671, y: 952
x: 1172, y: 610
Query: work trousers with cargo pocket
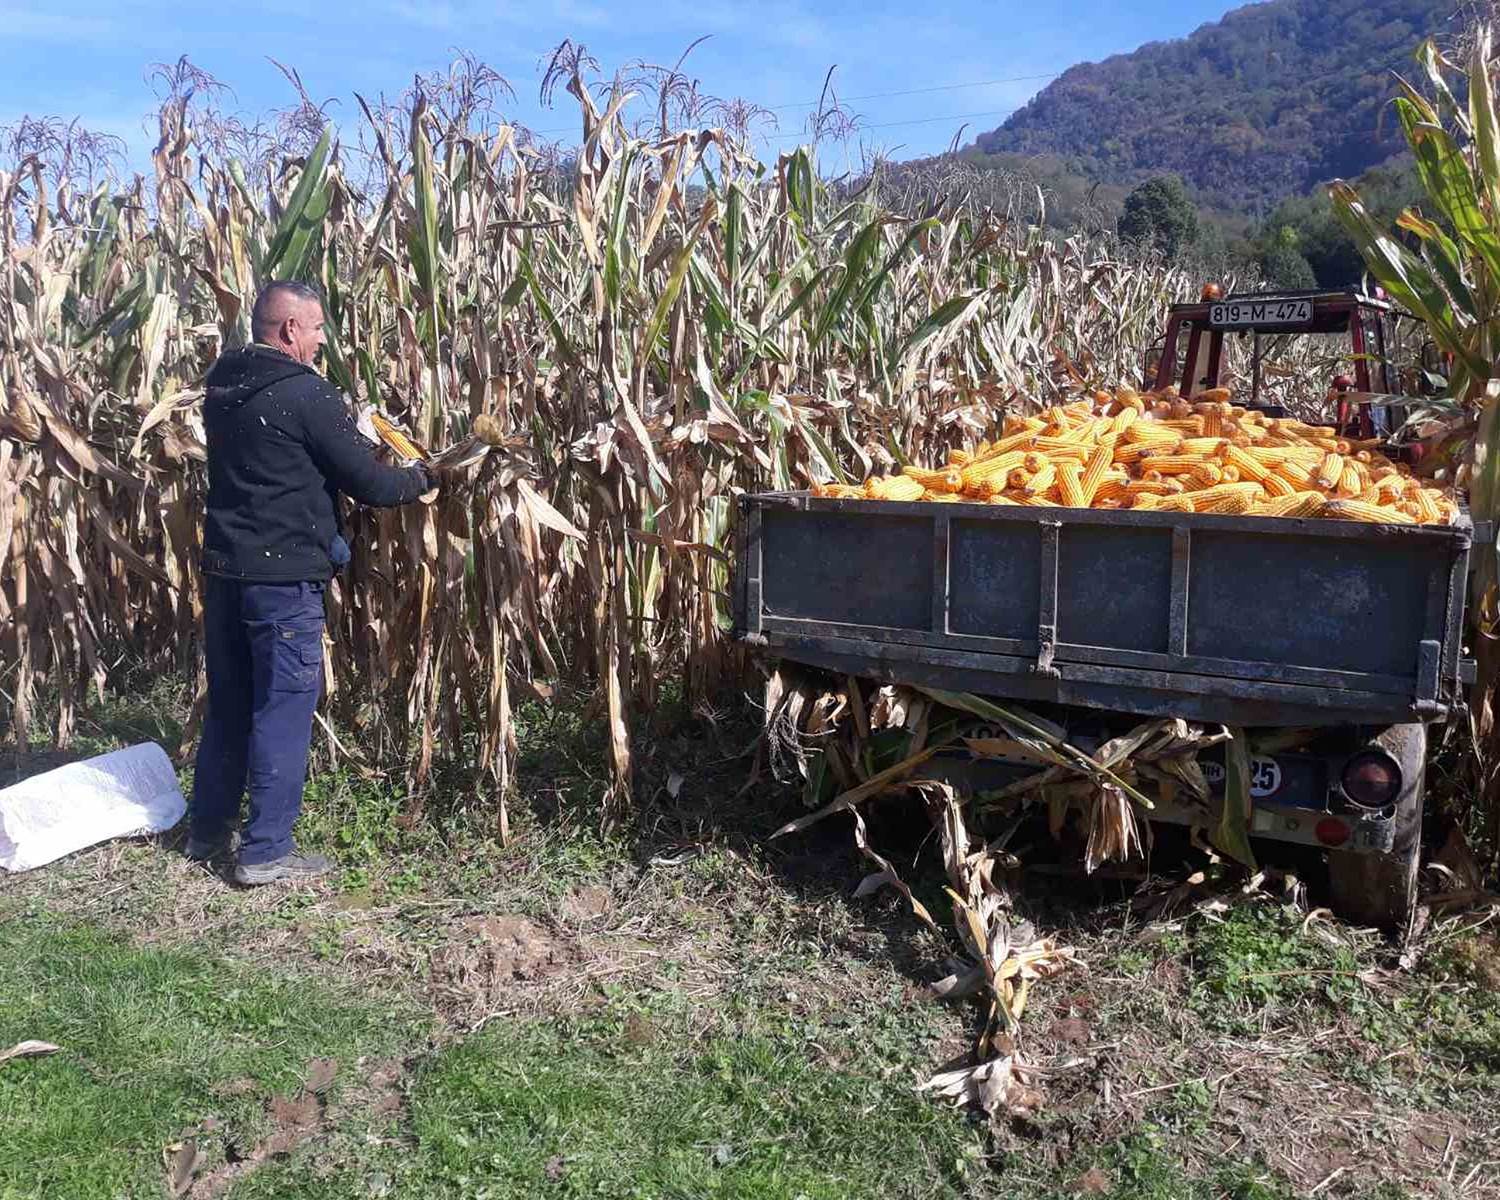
x: 263, y: 643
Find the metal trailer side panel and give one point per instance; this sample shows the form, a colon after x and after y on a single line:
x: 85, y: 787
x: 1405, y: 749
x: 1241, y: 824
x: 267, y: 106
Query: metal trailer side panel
x: 1245, y: 614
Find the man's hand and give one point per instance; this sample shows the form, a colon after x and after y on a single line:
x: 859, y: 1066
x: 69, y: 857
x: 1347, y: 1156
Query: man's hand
x: 441, y: 479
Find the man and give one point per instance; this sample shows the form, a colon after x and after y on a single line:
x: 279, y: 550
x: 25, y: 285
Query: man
x: 282, y: 447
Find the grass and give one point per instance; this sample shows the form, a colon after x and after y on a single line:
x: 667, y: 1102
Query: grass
x: 629, y: 1107
x: 696, y: 1012
x: 153, y: 1042
x: 649, y: 1096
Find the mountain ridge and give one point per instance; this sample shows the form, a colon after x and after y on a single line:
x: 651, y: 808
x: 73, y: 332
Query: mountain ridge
x: 1263, y: 104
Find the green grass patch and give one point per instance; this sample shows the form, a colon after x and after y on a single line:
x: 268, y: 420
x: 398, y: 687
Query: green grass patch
x: 630, y: 1104
x: 150, y: 1038
x: 1255, y: 967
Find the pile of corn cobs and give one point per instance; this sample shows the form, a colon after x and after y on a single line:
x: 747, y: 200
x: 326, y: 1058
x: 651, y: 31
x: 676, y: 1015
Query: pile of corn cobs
x: 1160, y: 452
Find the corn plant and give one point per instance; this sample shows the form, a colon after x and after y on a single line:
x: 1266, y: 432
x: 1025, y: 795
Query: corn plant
x: 1443, y: 264
x: 658, y: 322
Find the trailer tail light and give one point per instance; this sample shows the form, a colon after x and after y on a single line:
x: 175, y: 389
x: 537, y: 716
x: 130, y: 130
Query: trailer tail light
x: 1371, y: 780
x: 1332, y: 831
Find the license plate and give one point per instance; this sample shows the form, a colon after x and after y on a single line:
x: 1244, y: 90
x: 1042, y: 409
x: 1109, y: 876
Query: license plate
x: 1245, y: 314
x: 1265, y: 777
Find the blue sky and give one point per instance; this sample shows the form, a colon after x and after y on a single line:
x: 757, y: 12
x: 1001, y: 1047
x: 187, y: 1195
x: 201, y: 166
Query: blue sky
x: 89, y: 58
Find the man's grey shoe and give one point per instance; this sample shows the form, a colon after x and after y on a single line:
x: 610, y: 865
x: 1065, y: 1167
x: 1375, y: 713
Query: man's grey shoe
x: 206, y: 851
x: 295, y: 865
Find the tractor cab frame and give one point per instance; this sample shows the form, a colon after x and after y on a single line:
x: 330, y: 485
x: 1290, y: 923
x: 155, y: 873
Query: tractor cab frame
x: 1191, y: 354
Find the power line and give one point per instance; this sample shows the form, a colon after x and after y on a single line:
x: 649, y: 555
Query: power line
x: 946, y: 87
x: 997, y: 112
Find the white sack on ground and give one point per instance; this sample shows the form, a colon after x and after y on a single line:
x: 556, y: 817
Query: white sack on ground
x: 123, y: 794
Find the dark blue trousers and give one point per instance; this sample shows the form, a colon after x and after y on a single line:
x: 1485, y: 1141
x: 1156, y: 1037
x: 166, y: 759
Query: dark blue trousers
x: 264, y: 648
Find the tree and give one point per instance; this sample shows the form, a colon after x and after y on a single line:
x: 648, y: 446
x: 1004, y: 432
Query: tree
x: 1283, y: 264
x: 1159, y: 214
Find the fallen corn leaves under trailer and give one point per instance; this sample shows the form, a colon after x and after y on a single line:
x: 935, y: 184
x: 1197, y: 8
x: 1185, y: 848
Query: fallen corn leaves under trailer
x: 1001, y: 958
x: 1159, y: 452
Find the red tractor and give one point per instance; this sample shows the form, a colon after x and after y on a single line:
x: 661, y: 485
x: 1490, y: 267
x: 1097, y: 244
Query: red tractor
x: 1191, y: 352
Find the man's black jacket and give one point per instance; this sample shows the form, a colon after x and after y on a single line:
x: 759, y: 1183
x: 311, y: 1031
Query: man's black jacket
x: 281, y: 447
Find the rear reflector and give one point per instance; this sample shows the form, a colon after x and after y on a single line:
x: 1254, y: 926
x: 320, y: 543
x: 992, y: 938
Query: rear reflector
x: 1332, y: 832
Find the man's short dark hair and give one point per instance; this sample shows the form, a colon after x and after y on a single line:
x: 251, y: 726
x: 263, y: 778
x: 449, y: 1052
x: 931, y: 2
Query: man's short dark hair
x: 262, y: 319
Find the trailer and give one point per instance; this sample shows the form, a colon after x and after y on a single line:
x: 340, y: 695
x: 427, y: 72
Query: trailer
x: 1354, y: 629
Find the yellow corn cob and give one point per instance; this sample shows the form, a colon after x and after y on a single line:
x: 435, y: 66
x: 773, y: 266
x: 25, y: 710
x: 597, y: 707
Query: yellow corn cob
x: 1231, y: 505
x: 1150, y: 487
x: 1298, y: 504
x: 1205, y: 447
x: 1213, y: 422
x: 1241, y: 496
x: 1354, y: 510
x: 947, y: 480
x: 1353, y: 480
x: 1174, y: 464
x: 1229, y: 473
x: 897, y: 487
x: 1099, y: 462
x: 1295, y: 473
x: 1070, y: 485
x: 1041, y: 480
x: 1057, y: 420
x: 1247, y: 462
x: 394, y: 438
x: 1277, y: 485
x: 1017, y: 478
x: 959, y: 458
x: 1062, y: 448
x: 1136, y: 452
x: 1181, y: 503
x: 1206, y: 475
x: 1190, y: 427
x: 1124, y: 419
x: 1336, y: 444
x: 1010, y: 442
x: 1427, y: 507
x: 994, y: 468
x: 1150, y: 432
x: 982, y: 490
x: 1110, y: 490
x: 1330, y: 470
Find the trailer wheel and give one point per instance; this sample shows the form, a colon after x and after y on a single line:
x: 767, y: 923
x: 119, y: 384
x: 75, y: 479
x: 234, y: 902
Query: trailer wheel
x: 1381, y: 889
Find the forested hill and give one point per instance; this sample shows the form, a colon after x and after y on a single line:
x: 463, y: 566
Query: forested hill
x: 1260, y: 105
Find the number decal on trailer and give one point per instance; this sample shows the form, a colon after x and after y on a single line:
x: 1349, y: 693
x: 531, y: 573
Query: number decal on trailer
x: 1265, y: 776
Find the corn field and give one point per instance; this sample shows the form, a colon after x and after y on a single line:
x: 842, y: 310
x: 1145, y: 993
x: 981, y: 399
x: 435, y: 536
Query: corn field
x: 657, y: 320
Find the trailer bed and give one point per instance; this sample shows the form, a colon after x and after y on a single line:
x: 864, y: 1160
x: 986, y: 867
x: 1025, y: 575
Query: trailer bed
x: 1249, y: 620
